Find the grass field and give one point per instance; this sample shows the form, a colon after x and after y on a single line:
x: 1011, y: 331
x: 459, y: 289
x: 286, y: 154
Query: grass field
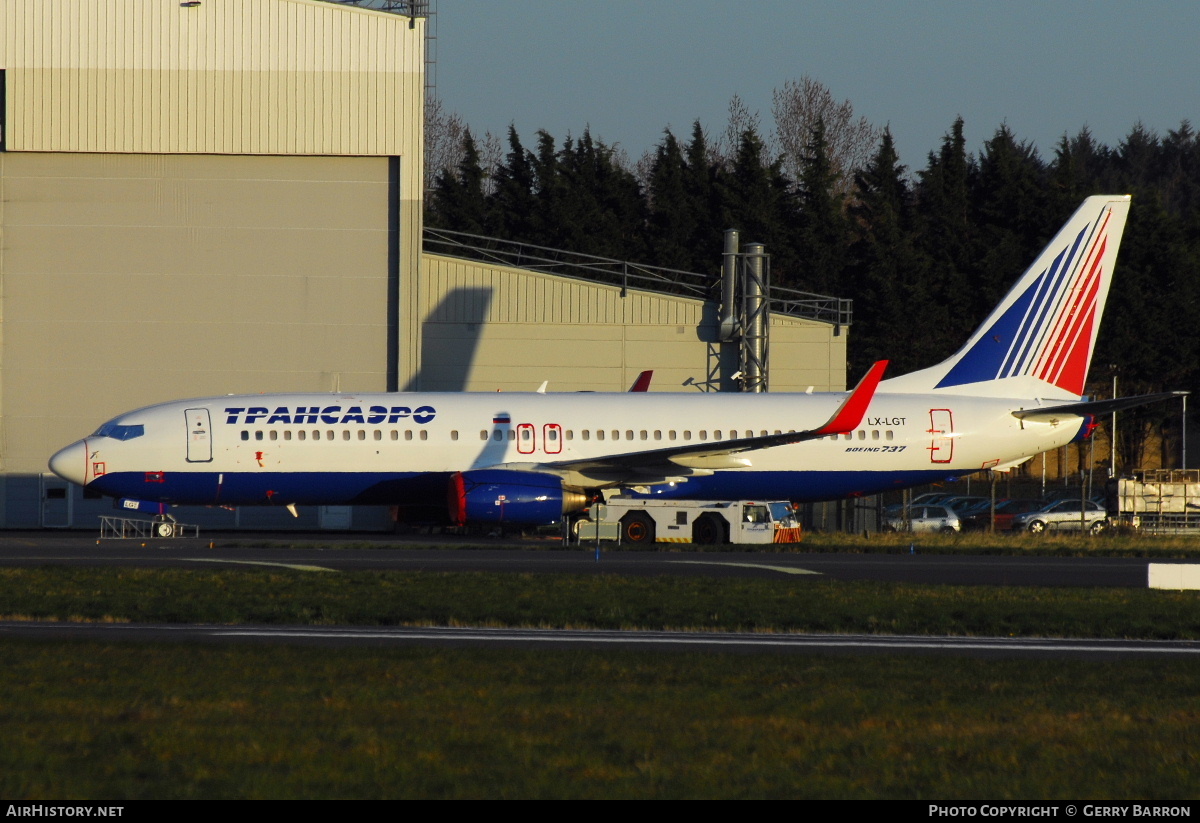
x: 129, y: 721
x: 115, y: 721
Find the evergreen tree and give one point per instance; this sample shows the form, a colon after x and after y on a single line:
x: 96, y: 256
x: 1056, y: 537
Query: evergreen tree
x: 458, y: 202
x: 887, y: 278
x: 513, y: 201
x: 822, y: 236
x: 1011, y: 216
x: 944, y: 235
x: 704, y: 201
x: 672, y: 216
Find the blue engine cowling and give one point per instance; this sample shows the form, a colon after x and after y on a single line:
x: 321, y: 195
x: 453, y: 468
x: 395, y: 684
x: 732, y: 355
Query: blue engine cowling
x: 504, y: 496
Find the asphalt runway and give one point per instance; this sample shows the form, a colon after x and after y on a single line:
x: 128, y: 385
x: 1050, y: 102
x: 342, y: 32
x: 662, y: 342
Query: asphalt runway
x: 662, y: 641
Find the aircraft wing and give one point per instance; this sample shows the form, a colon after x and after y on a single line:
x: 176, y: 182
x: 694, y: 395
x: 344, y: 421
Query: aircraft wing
x: 722, y: 454
x: 1053, y: 414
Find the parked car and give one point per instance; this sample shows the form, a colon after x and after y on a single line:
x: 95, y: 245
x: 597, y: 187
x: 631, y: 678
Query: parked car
x: 964, y: 503
x: 919, y: 500
x: 980, y: 519
x: 1063, y: 515
x: 923, y: 519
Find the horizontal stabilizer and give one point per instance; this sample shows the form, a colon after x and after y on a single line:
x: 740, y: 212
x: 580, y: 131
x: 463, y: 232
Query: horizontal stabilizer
x: 1052, y: 414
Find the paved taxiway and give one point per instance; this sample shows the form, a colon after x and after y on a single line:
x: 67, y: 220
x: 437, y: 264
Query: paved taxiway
x: 315, y: 552
x: 319, y: 553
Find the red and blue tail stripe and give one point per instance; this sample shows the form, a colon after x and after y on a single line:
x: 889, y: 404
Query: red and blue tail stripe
x: 1046, y: 327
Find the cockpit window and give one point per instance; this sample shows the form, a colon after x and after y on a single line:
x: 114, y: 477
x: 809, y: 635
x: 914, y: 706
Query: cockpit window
x: 120, y: 432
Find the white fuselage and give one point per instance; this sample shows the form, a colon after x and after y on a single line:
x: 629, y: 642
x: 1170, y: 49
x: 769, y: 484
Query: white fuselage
x: 382, y: 448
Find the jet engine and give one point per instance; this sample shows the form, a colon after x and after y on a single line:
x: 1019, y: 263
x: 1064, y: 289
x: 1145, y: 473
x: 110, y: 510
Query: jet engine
x: 506, y: 496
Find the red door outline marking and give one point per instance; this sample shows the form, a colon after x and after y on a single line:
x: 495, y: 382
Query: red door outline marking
x: 941, y: 424
x: 552, y: 438
x: 526, y: 438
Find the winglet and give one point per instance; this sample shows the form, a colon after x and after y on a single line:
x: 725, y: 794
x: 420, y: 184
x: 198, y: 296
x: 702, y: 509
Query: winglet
x: 850, y: 413
x: 643, y: 381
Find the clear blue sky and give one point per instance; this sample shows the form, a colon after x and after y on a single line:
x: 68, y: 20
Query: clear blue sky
x: 630, y: 69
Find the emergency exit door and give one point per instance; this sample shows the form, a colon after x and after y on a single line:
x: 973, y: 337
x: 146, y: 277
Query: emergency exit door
x: 199, y: 437
x: 941, y: 424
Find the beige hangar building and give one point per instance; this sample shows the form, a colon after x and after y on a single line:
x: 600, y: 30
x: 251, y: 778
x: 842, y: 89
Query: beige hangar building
x: 225, y: 196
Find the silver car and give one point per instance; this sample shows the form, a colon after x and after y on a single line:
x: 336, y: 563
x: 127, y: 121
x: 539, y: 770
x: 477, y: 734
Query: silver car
x: 1063, y: 515
x: 923, y: 519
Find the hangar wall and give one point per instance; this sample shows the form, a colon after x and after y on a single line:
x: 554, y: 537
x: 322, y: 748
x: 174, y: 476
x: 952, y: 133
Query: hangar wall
x: 197, y: 199
x: 136, y: 279
x: 486, y: 327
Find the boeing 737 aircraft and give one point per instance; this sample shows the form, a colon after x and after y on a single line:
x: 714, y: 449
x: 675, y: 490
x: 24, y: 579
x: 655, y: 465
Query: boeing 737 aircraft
x: 1013, y: 391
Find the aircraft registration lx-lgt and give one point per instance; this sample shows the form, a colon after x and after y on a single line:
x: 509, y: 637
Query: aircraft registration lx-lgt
x: 1013, y: 391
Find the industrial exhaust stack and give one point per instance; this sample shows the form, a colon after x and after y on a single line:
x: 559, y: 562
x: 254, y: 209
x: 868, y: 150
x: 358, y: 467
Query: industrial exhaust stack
x: 745, y: 312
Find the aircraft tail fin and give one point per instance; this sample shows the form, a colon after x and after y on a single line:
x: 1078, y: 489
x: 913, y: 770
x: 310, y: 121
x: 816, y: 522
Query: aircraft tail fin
x: 1038, y: 341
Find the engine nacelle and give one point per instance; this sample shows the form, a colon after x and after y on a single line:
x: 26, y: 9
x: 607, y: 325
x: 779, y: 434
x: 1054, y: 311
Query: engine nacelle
x: 505, y: 496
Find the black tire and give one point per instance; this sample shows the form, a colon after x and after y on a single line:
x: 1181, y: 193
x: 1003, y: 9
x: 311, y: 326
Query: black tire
x: 1036, y: 527
x: 949, y: 530
x: 709, y: 530
x: 637, y: 528
x: 164, y: 528
x: 1096, y: 528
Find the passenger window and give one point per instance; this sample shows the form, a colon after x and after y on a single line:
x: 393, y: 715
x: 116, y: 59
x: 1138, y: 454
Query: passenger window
x: 424, y: 434
x: 287, y: 434
x: 345, y: 434
x: 245, y: 435
x: 587, y: 434
x: 453, y: 435
x: 395, y: 434
x: 300, y: 435
x: 408, y: 434
x: 258, y: 435
x: 497, y: 435
x: 887, y: 435
x: 599, y: 434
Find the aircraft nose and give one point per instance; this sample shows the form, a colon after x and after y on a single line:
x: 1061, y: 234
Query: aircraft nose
x: 71, y: 463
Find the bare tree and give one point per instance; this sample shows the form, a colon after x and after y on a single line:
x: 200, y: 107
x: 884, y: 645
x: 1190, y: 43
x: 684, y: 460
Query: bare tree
x: 741, y: 120
x: 491, y: 155
x: 796, y: 108
x: 443, y: 140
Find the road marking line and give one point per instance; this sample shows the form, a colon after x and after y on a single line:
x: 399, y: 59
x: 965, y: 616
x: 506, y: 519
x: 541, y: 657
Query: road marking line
x: 784, y: 569
x: 295, y: 566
